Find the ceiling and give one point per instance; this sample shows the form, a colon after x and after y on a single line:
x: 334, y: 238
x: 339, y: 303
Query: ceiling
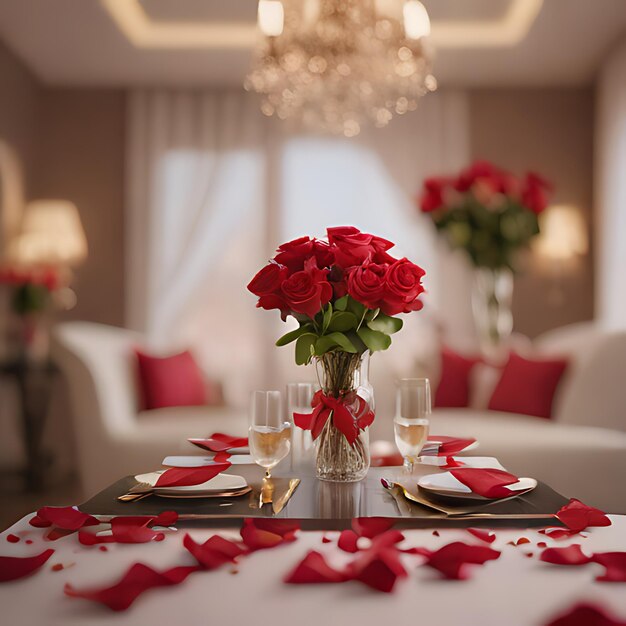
x: 77, y: 42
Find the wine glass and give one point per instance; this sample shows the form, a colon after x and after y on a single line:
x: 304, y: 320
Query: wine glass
x: 299, y: 398
x: 410, y: 422
x: 269, y: 434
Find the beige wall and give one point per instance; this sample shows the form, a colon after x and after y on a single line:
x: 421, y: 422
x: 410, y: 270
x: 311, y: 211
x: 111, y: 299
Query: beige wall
x: 80, y: 157
x: 551, y: 131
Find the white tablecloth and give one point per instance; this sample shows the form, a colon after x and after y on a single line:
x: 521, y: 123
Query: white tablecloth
x: 514, y: 590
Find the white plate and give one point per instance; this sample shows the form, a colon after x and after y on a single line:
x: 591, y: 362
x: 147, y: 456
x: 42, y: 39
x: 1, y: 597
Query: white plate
x: 201, y: 461
x: 221, y: 482
x: 489, y: 462
x: 446, y: 484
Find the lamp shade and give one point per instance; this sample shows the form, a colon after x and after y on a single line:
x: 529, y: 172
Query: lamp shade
x: 563, y: 233
x: 51, y: 233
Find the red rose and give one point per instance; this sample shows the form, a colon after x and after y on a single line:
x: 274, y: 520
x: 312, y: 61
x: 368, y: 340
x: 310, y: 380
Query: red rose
x: 267, y: 285
x: 307, y: 291
x: 432, y: 197
x: 366, y: 283
x: 488, y: 175
x: 293, y: 254
x: 535, y: 192
x: 351, y: 247
x: 403, y: 287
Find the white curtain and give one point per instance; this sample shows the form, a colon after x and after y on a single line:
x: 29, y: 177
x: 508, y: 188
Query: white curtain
x: 215, y: 186
x: 610, y: 180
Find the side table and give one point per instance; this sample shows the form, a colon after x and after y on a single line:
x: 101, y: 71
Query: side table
x: 34, y: 381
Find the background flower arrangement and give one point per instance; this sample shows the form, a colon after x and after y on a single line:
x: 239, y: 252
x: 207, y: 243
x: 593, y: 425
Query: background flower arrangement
x: 486, y: 211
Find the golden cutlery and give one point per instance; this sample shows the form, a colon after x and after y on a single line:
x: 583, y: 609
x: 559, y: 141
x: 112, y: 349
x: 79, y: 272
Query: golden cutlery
x: 136, y: 492
x: 279, y: 505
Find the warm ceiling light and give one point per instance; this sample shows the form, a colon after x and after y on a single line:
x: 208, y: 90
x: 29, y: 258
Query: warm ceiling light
x: 143, y: 32
x: 271, y: 17
x: 416, y: 20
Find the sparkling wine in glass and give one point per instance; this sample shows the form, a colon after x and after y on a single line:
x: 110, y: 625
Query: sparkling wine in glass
x: 411, y: 425
x: 269, y: 434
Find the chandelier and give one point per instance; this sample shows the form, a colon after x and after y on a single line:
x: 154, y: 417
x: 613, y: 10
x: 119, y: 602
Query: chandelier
x: 337, y: 65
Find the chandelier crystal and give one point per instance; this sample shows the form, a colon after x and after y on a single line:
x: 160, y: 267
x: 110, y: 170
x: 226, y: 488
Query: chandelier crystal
x: 337, y: 65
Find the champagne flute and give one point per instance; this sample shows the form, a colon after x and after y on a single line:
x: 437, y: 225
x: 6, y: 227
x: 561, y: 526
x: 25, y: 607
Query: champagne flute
x: 299, y: 398
x: 410, y: 424
x: 269, y: 434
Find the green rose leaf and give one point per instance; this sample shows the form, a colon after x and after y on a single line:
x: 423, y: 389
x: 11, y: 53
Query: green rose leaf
x: 304, y: 348
x: 385, y: 324
x: 356, y: 307
x: 374, y: 339
x: 342, y: 321
x: 334, y: 340
x: 371, y: 314
x: 328, y: 313
x: 341, y: 303
x: 293, y: 335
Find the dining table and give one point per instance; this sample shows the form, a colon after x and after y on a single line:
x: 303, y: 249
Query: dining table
x: 516, y: 588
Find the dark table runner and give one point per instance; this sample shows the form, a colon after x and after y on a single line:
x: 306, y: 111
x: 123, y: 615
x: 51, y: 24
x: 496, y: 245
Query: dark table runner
x: 326, y: 506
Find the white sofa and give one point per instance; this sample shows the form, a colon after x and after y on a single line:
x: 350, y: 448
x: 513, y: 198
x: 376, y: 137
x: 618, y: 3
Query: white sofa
x: 581, y: 452
x: 113, y: 437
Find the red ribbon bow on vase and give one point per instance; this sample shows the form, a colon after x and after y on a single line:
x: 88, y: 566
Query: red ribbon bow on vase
x: 351, y: 414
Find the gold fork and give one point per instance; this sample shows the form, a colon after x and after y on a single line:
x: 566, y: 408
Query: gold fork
x: 136, y: 492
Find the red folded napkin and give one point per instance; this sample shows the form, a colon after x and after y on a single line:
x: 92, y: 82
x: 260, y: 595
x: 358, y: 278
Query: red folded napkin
x: 220, y: 442
x: 447, y: 445
x: 186, y: 476
x: 489, y: 483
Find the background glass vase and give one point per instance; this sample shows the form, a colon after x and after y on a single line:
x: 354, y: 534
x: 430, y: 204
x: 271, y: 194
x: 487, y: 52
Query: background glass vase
x: 341, y: 374
x: 492, y: 298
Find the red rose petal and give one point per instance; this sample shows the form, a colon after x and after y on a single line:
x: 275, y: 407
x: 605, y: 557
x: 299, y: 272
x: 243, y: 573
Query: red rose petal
x: 186, y: 476
x: 283, y: 527
x: 12, y: 538
x: 325, y: 539
x: 255, y: 537
x: 487, y: 536
x: 63, y: 517
x: 13, y: 567
x: 570, y: 555
x: 29, y: 541
x: 38, y: 522
x: 586, y: 615
x: 578, y: 516
x: 136, y: 580
x: 436, y: 533
x: 558, y: 533
x: 614, y: 564
x: 314, y: 569
x: 214, y: 552
x: 378, y: 568
x: 542, y: 544
x: 166, y: 518
x: 57, y: 533
x: 451, y: 559
x: 371, y: 526
x: 103, y: 548
x: 348, y: 541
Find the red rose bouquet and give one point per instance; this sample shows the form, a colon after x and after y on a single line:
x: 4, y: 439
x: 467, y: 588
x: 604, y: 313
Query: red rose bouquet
x: 345, y: 294
x: 486, y: 211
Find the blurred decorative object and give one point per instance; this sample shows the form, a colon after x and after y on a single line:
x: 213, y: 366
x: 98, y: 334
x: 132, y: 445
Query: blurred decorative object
x: 492, y: 215
x: 51, y: 234
x: 336, y: 65
x: 38, y: 273
x: 345, y: 294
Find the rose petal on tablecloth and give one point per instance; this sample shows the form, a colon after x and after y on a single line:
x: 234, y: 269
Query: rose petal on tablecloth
x: 488, y: 536
x: 577, y: 516
x: 14, y: 567
x: 314, y: 569
x: 123, y: 530
x: 138, y: 579
x: 585, y: 615
x: 558, y: 533
x: 451, y: 559
x: 614, y: 564
x: 214, y: 552
x: 348, y: 541
x: 187, y: 476
x: 569, y: 555
x: 63, y: 517
x: 486, y: 482
x: 11, y: 538
x: 260, y: 534
x: 378, y: 568
x: 371, y: 526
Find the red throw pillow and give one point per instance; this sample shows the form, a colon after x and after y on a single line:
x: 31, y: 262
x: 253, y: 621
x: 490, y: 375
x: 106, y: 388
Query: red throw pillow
x: 453, y: 389
x: 170, y: 381
x: 527, y: 386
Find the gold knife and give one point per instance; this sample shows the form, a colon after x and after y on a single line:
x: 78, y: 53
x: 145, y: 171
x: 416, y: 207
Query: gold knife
x: 279, y: 505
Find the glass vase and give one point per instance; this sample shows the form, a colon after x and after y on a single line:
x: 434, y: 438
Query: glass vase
x: 492, y: 298
x: 346, y: 376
